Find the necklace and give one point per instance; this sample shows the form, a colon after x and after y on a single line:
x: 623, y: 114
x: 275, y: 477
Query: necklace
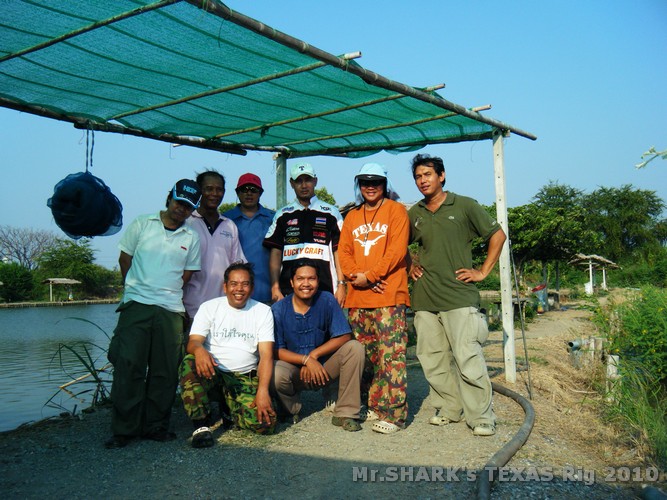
x: 372, y: 219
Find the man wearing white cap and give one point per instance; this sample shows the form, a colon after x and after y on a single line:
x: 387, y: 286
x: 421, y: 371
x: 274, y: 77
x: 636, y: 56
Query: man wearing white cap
x: 306, y: 228
x: 253, y: 220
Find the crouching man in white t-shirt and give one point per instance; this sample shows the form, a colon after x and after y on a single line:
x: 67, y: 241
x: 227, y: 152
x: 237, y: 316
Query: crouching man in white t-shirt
x: 230, y: 350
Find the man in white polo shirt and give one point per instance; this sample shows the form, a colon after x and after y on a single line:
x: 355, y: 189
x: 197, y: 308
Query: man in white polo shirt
x: 158, y: 255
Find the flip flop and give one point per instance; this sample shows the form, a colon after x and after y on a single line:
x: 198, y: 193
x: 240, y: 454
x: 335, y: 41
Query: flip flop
x: 202, y: 438
x: 348, y: 424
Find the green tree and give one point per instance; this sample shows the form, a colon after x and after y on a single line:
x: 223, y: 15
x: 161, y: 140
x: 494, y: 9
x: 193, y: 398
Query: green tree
x: 225, y: 207
x: 550, y: 229
x: 628, y: 221
x: 17, y: 283
x: 325, y: 196
x: 67, y: 259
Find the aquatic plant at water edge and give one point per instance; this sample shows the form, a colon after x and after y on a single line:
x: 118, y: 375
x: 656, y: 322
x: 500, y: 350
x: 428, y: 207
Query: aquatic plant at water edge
x: 90, y: 375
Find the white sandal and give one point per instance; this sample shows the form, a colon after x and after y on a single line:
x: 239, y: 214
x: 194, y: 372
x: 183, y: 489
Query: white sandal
x: 384, y: 427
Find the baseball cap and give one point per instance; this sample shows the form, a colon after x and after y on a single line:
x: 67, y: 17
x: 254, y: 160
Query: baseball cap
x: 187, y: 190
x: 249, y: 179
x: 372, y: 172
x: 301, y: 169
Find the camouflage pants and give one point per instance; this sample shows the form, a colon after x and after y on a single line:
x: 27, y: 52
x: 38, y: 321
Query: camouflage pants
x: 237, y: 389
x: 383, y: 332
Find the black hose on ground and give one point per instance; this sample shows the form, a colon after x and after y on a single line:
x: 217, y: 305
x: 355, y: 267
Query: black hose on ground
x: 502, y: 456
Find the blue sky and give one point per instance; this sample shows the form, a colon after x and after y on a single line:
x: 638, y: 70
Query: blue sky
x: 588, y: 78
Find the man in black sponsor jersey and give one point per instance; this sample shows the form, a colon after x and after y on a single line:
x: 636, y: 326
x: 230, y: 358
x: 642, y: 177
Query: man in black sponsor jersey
x: 307, y: 227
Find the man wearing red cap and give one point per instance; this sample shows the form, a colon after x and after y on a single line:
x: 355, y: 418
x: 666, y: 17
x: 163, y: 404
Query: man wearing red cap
x: 253, y: 220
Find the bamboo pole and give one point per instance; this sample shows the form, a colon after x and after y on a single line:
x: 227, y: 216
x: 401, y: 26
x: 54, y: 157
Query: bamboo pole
x: 329, y: 112
x: 368, y: 76
x: 344, y: 150
x: 377, y: 129
x: 85, y: 123
x: 86, y: 29
x: 229, y: 88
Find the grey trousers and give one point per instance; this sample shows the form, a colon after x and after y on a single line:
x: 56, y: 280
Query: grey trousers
x: 346, y: 365
x: 449, y: 348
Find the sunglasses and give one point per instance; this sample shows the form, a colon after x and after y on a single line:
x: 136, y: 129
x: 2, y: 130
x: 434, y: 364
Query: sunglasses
x: 248, y: 189
x: 370, y: 183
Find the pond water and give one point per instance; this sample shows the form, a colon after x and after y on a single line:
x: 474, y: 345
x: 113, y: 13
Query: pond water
x: 31, y: 370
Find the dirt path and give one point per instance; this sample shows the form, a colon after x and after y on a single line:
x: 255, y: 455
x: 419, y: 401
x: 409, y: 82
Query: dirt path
x: 314, y: 459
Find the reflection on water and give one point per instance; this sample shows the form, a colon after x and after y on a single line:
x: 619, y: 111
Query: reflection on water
x: 30, y: 370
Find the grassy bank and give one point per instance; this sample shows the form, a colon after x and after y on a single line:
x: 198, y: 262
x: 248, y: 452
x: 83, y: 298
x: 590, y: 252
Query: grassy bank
x: 636, y: 329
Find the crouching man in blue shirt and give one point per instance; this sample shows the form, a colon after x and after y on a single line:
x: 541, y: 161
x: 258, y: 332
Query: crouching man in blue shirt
x: 314, y: 347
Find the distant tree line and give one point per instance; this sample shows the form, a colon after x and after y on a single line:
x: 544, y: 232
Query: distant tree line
x: 625, y: 225
x: 31, y: 256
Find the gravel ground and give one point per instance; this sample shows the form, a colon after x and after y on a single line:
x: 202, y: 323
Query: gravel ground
x: 65, y: 458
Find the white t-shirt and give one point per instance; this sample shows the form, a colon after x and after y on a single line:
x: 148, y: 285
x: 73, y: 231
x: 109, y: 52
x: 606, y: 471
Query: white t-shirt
x: 232, y: 335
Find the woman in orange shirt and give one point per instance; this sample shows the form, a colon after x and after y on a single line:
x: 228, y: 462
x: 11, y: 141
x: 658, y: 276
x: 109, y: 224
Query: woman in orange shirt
x: 372, y: 254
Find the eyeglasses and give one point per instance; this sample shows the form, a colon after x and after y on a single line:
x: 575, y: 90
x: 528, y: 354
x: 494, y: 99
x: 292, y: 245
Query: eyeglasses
x: 370, y: 183
x: 248, y: 189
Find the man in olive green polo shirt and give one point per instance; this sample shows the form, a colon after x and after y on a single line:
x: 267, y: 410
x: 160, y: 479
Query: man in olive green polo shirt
x: 450, y: 327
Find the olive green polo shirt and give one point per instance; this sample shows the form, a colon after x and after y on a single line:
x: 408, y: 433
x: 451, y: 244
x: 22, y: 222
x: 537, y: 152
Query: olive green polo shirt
x: 445, y: 245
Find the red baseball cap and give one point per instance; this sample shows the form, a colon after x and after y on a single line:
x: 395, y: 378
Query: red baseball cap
x: 249, y: 179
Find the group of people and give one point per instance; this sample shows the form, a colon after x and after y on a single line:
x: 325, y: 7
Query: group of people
x: 251, y: 307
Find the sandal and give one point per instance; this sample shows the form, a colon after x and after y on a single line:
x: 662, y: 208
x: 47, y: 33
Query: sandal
x: 438, y: 419
x: 348, y: 424
x: 202, y: 438
x: 384, y: 427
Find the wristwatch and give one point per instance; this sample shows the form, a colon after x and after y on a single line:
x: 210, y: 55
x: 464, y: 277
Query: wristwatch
x: 342, y: 282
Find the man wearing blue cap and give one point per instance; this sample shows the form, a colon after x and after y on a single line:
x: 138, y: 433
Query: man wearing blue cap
x: 158, y: 254
x: 306, y: 228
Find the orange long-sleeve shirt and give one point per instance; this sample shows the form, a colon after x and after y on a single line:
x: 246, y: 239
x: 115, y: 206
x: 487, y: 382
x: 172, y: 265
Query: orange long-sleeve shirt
x: 376, y: 243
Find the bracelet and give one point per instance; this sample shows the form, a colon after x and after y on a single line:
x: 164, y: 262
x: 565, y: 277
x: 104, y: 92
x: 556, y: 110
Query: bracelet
x: 341, y: 282
x: 305, y: 361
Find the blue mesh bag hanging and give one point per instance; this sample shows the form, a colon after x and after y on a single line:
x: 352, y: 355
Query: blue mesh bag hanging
x: 83, y: 205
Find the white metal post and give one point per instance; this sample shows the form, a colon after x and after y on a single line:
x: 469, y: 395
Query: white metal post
x: 281, y: 181
x: 504, y: 262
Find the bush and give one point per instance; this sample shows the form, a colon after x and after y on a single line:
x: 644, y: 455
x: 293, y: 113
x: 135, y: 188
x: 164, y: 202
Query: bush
x: 17, y: 283
x: 639, y: 405
x: 638, y: 331
x: 637, y: 273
